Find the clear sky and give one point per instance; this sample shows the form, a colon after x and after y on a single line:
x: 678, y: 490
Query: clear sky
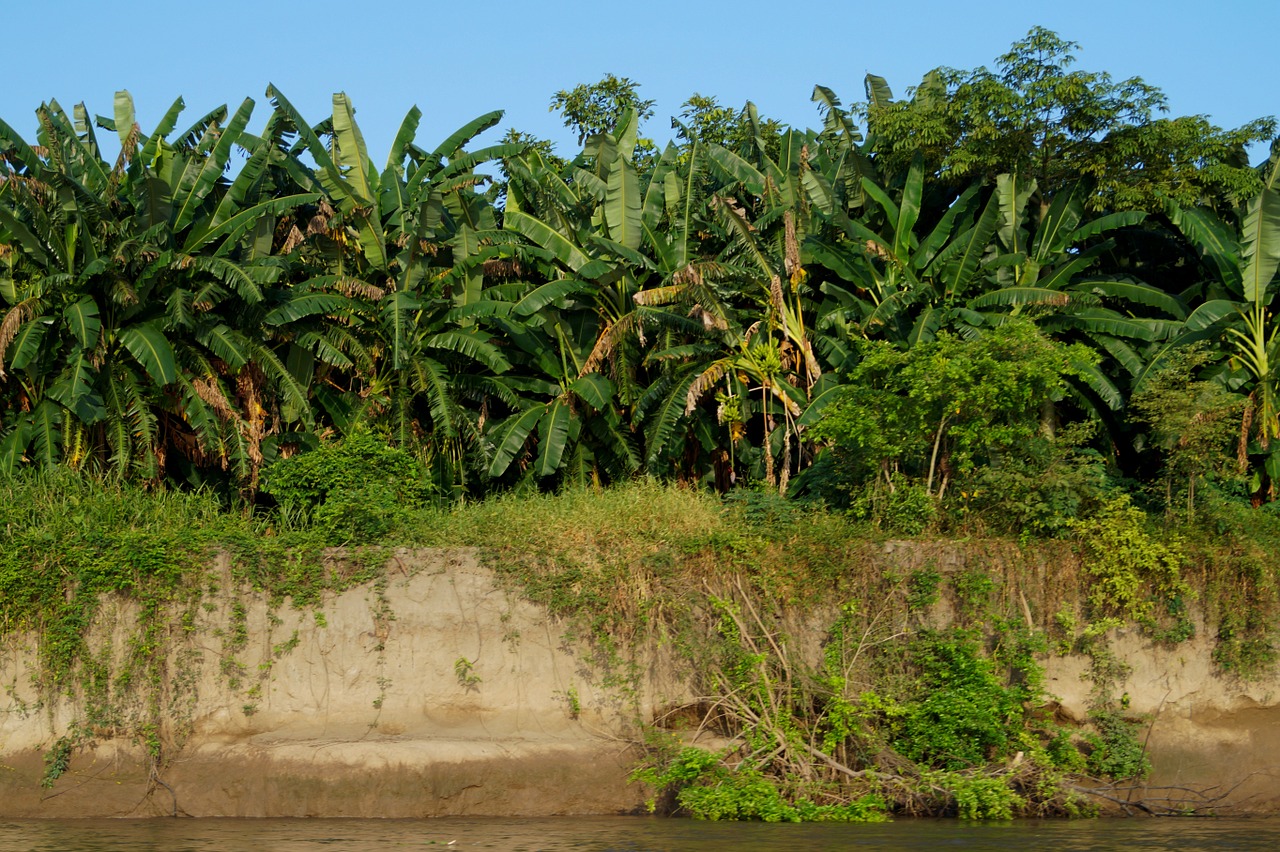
x: 457, y: 60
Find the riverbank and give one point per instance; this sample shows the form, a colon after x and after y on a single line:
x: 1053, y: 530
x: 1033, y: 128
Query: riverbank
x: 609, y: 630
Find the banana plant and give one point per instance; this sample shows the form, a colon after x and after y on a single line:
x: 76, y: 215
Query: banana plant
x: 393, y: 254
x: 1241, y: 269
x: 565, y: 422
x: 101, y: 288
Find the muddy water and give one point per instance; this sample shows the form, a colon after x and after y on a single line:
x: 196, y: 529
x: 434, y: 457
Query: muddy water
x: 625, y: 834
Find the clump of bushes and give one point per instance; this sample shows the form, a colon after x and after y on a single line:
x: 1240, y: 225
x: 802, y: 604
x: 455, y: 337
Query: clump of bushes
x: 356, y: 490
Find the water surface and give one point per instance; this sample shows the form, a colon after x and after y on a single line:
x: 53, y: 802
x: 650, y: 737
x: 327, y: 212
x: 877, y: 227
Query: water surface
x: 625, y: 834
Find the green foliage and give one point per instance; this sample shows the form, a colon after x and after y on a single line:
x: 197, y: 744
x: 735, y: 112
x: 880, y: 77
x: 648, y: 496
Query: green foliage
x: 704, y: 120
x: 973, y: 589
x: 1035, y: 116
x: 590, y: 109
x: 898, y: 506
x: 357, y: 490
x: 171, y: 321
x: 57, y: 760
x: 1117, y: 752
x: 946, y: 411
x: 1194, y: 423
x: 1039, y: 491
x: 1130, y: 570
x: 464, y: 671
x: 745, y: 795
x: 960, y: 713
x: 979, y: 797
x: 884, y: 715
x: 701, y: 785
x: 922, y: 588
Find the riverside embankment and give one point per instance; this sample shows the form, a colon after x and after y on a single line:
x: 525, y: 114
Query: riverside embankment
x: 436, y: 688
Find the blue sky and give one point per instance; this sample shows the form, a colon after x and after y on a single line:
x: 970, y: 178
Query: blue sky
x: 457, y: 60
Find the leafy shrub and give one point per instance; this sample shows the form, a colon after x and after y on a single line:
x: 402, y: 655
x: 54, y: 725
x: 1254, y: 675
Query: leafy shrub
x: 699, y: 783
x: 1129, y: 570
x: 1116, y: 752
x: 57, y: 761
x: 1040, y: 490
x: 357, y: 489
x: 1194, y: 424
x: 942, y: 410
x: 903, y: 508
x: 962, y: 714
x: 922, y: 589
x: 973, y: 590
x: 980, y: 797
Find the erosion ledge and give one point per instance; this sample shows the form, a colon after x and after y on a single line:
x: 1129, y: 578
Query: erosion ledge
x: 435, y: 692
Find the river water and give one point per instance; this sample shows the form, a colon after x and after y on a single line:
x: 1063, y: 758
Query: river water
x: 626, y: 834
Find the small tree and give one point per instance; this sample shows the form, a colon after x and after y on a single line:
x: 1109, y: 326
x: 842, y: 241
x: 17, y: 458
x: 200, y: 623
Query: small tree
x: 594, y: 108
x: 357, y: 489
x: 935, y: 413
x: 1037, y: 116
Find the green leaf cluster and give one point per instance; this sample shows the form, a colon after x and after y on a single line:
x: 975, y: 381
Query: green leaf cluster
x: 356, y: 489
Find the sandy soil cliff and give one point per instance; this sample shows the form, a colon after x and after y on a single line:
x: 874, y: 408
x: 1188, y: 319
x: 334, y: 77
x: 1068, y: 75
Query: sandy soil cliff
x: 438, y: 693
x: 435, y: 694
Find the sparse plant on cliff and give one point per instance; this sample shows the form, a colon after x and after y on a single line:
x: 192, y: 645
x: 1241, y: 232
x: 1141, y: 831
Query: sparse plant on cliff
x: 1116, y: 752
x: 949, y: 726
x: 464, y: 670
x: 57, y: 760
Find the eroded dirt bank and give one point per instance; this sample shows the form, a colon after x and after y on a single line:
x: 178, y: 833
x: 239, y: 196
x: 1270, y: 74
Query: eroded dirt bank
x: 435, y: 692
x: 431, y: 693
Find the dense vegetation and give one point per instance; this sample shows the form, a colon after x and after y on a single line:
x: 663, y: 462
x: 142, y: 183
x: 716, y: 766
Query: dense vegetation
x: 689, y: 312
x: 1018, y: 301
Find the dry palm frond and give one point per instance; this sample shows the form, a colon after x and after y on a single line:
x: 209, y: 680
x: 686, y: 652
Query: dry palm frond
x: 690, y: 273
x: 294, y: 239
x: 324, y: 222
x: 785, y: 477
x: 703, y: 383
x: 792, y: 260
x: 688, y: 284
x: 206, y: 387
x: 253, y: 427
x: 609, y: 339
x: 736, y: 208
x: 710, y: 319
x: 503, y: 268
x: 1242, y: 449
x: 37, y: 190
x: 353, y: 287
x: 874, y: 249
x: 659, y: 295
x: 20, y: 313
x: 460, y: 183
x: 127, y: 151
x: 811, y: 367
x: 775, y: 295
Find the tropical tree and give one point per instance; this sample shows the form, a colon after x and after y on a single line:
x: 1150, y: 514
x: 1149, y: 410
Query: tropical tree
x: 1037, y: 117
x: 396, y: 253
x: 1240, y: 269
x: 125, y: 288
